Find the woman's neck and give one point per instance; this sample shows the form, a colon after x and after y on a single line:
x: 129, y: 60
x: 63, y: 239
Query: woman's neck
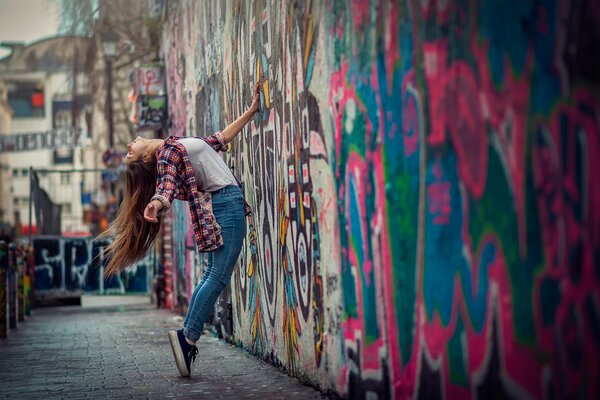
x: 154, y: 145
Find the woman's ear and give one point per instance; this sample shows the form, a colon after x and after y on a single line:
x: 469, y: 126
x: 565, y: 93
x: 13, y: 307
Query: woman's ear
x: 147, y: 157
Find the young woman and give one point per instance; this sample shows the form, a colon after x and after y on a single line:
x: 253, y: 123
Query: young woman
x: 185, y: 168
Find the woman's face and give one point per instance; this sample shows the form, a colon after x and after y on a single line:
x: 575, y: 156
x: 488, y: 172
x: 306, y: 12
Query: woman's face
x: 136, y: 149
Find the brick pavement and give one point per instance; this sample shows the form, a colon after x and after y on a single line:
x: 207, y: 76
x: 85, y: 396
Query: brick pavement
x: 123, y: 352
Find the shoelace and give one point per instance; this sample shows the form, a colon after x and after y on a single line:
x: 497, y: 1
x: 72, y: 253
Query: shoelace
x: 193, y: 352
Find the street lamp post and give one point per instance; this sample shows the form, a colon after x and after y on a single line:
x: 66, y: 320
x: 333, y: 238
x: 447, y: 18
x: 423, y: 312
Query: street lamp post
x: 111, y: 126
x: 109, y: 47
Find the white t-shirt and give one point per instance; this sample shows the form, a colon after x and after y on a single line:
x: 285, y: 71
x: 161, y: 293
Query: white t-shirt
x: 210, y: 170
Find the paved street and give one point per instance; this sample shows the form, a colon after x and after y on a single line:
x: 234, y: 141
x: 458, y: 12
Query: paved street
x: 123, y: 352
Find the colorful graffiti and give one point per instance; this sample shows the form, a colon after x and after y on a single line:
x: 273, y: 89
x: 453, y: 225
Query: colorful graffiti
x: 426, y: 214
x: 14, y: 273
x: 4, y: 272
x: 74, y: 265
x: 279, y: 275
x: 184, y: 253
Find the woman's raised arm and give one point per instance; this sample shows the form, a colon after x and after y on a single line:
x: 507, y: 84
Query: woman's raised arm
x: 236, y: 126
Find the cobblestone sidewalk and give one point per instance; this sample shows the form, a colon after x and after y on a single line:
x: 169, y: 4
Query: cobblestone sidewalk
x: 123, y: 353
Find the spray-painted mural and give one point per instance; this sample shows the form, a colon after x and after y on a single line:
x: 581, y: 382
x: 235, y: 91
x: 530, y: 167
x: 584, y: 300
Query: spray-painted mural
x: 69, y: 265
x: 426, y: 207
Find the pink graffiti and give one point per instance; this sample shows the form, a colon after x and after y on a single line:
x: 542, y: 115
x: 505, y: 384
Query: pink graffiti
x: 454, y: 106
x: 567, y: 234
x: 149, y: 80
x: 438, y: 202
x: 360, y: 12
x: 378, y: 263
x: 392, y: 47
x: 505, y: 110
x: 441, y: 9
x: 382, y: 247
x: 410, y: 116
x: 342, y: 92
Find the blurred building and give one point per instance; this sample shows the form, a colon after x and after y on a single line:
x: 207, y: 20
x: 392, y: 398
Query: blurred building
x: 75, y: 105
x: 47, y: 93
x: 124, y: 43
x: 6, y: 203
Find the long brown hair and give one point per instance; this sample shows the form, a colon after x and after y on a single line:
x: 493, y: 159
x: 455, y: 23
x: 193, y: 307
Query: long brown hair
x: 132, y: 235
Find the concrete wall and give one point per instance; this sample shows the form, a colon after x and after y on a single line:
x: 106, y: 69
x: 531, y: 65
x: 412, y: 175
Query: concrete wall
x: 424, y: 184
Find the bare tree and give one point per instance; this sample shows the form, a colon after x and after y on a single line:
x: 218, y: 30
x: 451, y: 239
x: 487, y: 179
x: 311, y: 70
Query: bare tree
x: 137, y: 36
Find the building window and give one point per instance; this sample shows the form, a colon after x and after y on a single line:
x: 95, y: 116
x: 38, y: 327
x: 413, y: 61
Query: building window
x: 21, y: 201
x: 26, y: 99
x: 20, y: 172
x: 65, y: 178
x: 62, y: 119
x: 66, y: 208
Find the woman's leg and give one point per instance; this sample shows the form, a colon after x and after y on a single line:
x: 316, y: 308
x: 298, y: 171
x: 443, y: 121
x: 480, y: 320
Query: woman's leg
x: 205, y: 276
x: 228, y: 208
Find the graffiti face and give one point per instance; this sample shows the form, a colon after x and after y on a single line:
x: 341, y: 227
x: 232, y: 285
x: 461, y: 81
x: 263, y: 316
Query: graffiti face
x: 426, y: 216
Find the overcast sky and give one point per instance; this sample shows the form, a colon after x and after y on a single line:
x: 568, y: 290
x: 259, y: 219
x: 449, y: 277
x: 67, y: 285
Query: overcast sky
x: 27, y: 20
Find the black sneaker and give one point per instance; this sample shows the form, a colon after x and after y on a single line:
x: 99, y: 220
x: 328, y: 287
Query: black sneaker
x: 184, y: 352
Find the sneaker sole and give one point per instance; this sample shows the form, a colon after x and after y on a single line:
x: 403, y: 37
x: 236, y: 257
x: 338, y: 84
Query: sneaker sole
x: 179, y: 358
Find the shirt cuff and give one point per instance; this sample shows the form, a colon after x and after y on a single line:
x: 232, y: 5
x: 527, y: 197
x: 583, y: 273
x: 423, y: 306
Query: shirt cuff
x: 221, y: 139
x: 166, y: 204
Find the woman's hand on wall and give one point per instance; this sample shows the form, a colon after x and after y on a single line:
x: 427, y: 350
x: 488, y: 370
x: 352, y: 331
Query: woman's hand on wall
x: 255, y: 106
x: 236, y: 126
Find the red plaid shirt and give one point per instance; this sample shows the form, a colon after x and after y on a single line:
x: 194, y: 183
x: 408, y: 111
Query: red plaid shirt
x: 176, y: 180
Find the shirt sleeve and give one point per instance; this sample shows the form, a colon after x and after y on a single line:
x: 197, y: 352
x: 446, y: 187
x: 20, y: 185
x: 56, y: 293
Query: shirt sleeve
x: 216, y: 141
x: 166, y: 177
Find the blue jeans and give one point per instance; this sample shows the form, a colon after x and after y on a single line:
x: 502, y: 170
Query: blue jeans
x: 228, y: 208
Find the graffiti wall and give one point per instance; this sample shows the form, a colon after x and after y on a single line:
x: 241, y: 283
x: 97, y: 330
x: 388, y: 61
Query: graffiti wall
x: 75, y: 265
x: 423, y: 179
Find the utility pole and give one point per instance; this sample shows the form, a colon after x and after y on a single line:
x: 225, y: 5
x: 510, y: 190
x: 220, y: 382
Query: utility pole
x: 74, y: 105
x: 109, y: 47
x: 31, y: 206
x: 109, y: 102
